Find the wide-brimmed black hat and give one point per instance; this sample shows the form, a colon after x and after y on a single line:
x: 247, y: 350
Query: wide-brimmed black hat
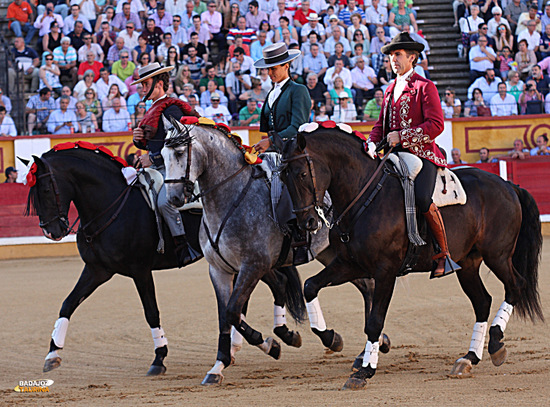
x: 276, y: 54
x: 148, y: 71
x: 404, y: 41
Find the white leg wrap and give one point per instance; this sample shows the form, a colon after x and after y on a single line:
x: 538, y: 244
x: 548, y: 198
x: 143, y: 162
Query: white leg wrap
x: 265, y: 345
x: 236, y: 340
x: 371, y: 354
x: 279, y: 316
x: 503, y: 315
x: 217, y: 368
x: 478, y: 339
x: 52, y: 355
x: 158, y: 337
x: 315, y: 315
x: 60, y: 331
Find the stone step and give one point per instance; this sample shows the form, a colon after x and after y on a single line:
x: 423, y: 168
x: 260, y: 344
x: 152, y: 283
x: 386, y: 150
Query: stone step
x: 428, y: 7
x: 436, y: 14
x: 436, y: 44
x: 458, y: 74
x: 443, y: 51
x: 441, y: 35
x: 437, y: 22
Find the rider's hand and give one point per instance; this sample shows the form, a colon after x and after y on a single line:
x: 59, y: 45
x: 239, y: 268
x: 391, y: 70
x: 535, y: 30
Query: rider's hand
x: 262, y: 145
x: 371, y: 150
x: 145, y: 160
x: 394, y: 138
x: 138, y: 135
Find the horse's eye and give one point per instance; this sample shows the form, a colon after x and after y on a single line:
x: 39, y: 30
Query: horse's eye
x: 303, y: 175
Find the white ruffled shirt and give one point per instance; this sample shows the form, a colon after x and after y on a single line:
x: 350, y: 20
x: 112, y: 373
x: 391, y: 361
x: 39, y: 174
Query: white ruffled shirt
x: 276, y: 91
x: 400, y: 83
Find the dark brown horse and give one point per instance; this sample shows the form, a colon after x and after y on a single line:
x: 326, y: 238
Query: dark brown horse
x: 499, y: 224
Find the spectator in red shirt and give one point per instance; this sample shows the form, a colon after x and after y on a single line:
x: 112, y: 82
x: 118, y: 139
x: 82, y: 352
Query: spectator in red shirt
x: 20, y: 16
x: 90, y: 64
x: 300, y: 17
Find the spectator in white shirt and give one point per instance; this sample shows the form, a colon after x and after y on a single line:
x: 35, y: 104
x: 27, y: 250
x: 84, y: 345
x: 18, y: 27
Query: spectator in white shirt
x: 179, y: 34
x: 7, y: 126
x: 488, y: 85
x: 217, y: 112
x: 481, y: 58
x: 344, y: 112
x: 377, y: 16
x: 116, y: 119
x: 313, y: 25
x: 332, y: 41
x: 130, y: 35
x: 531, y: 36
x: 62, y: 120
x: 105, y: 81
x: 68, y: 23
x: 363, y: 81
x: 503, y: 104
x: 338, y: 70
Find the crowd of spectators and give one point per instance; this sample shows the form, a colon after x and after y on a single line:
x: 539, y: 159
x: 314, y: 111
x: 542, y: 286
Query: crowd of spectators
x: 507, y: 43
x: 79, y: 57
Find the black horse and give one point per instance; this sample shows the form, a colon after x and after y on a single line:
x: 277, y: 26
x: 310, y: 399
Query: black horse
x: 117, y: 235
x: 499, y: 225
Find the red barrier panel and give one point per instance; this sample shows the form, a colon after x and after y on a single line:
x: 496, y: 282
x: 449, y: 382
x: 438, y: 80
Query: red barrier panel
x: 13, y: 223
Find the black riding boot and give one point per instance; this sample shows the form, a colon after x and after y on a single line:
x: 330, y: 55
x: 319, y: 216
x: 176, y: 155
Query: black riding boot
x: 300, y: 246
x: 184, y: 252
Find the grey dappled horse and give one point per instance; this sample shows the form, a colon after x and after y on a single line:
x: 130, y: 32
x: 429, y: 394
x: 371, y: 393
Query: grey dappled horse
x: 237, y: 201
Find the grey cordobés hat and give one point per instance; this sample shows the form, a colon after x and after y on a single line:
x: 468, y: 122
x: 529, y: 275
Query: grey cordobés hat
x: 276, y: 54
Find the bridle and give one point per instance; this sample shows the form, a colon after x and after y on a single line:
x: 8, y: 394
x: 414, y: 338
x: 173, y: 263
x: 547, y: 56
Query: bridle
x: 177, y: 141
x: 63, y: 218
x: 188, y: 185
x: 60, y: 216
x: 317, y: 201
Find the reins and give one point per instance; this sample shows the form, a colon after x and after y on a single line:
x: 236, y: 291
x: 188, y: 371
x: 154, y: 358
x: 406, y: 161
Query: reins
x: 364, y: 189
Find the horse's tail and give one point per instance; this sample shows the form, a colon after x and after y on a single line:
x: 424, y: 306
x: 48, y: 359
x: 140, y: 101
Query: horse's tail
x: 294, y: 295
x: 526, y: 256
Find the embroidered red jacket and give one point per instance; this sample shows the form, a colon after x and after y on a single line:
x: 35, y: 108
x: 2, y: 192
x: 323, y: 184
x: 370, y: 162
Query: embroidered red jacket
x: 418, y: 117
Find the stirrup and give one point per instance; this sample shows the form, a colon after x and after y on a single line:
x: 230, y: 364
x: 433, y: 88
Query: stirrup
x: 450, y: 268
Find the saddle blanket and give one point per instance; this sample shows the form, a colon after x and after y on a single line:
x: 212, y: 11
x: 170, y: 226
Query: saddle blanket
x: 448, y: 188
x: 152, y: 182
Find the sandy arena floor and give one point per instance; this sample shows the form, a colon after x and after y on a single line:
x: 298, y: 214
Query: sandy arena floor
x: 109, y: 346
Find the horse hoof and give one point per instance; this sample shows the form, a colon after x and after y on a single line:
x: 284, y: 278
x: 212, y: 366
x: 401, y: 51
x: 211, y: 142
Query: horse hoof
x: 357, y: 363
x: 385, y: 344
x: 499, y: 357
x: 212, y: 379
x: 155, y: 370
x: 51, y: 364
x: 232, y: 361
x: 296, y: 341
x: 275, y: 349
x: 354, y: 383
x: 337, y: 343
x: 462, y: 368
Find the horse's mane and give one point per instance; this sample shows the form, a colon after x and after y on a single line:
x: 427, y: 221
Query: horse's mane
x: 353, y: 141
x: 33, y: 201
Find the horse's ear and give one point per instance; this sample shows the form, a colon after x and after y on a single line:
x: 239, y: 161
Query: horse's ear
x: 23, y: 160
x: 301, y: 142
x: 38, y: 161
x: 168, y: 125
x: 177, y: 124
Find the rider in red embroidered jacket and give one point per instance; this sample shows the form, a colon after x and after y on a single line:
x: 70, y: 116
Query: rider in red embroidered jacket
x: 410, y: 120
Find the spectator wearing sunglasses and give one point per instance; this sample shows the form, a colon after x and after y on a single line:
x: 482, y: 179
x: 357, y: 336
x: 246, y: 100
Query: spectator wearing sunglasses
x: 120, y: 19
x: 130, y: 35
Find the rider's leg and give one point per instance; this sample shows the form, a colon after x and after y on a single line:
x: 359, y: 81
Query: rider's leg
x: 172, y: 217
x: 423, y: 189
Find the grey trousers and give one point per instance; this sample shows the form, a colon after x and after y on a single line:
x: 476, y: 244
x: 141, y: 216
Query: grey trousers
x: 169, y: 212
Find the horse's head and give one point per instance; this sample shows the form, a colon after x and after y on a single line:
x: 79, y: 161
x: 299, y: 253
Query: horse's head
x: 47, y: 200
x: 306, y: 181
x: 183, y: 159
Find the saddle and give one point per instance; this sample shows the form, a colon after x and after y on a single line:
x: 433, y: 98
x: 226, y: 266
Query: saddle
x: 448, y: 188
x: 151, y: 181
